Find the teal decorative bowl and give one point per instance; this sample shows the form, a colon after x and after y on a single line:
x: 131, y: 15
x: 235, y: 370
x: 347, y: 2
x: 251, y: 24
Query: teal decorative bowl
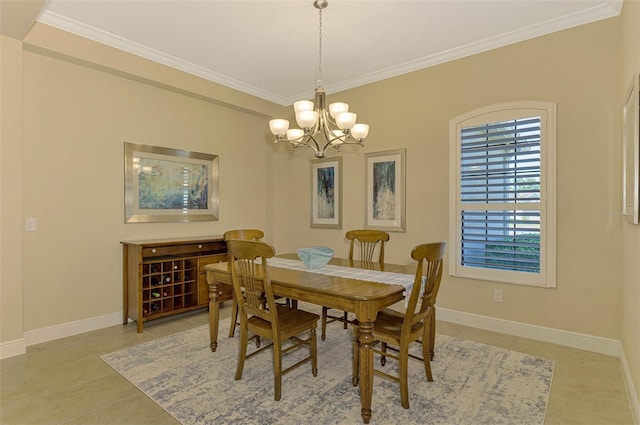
x: 316, y: 256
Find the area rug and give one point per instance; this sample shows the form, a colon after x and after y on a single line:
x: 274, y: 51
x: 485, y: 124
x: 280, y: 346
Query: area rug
x: 473, y: 383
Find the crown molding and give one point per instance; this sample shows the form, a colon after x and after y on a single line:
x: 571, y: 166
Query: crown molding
x: 72, y: 26
x: 604, y: 10
x: 596, y: 13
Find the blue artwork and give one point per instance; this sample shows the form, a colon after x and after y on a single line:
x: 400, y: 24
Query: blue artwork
x: 172, y: 185
x: 384, y: 190
x: 325, y: 193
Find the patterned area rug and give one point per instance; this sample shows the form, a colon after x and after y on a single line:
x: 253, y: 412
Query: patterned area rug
x: 473, y: 383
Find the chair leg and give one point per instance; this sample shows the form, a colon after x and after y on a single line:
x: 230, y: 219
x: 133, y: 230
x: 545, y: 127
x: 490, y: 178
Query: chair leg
x: 323, y: 331
x: 404, y: 377
x: 425, y: 356
x: 346, y: 321
x: 314, y: 352
x: 234, y: 317
x: 277, y: 368
x: 432, y: 333
x: 355, y: 377
x: 242, y: 355
x: 383, y: 358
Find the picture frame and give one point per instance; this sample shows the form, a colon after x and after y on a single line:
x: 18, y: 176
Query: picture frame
x: 385, y: 178
x: 326, y: 193
x: 631, y: 153
x: 169, y: 185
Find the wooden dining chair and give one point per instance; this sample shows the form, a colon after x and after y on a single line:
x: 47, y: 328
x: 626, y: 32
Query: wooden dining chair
x: 244, y: 234
x: 396, y: 330
x: 247, y: 235
x: 275, y: 322
x: 368, y: 241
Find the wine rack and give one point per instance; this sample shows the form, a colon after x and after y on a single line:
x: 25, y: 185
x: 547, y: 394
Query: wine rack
x: 169, y: 285
x: 167, y: 277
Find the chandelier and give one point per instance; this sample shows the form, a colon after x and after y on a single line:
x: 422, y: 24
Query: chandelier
x: 321, y: 129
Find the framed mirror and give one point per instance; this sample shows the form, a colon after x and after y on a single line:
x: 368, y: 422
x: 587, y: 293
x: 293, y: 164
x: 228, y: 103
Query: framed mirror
x: 631, y: 153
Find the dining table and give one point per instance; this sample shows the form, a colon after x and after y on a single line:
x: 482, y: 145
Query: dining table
x: 358, y: 291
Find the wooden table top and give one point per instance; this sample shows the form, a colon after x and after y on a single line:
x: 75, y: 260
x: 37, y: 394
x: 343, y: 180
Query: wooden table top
x: 294, y: 281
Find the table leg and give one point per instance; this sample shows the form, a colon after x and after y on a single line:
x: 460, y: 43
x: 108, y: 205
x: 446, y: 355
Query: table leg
x: 214, y: 311
x: 125, y: 284
x: 366, y: 369
x: 355, y: 374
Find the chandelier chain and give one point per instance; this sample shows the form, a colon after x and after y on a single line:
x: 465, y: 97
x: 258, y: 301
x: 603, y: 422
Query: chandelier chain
x: 320, y: 82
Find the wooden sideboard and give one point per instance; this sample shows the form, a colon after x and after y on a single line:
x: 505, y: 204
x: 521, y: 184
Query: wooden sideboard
x: 164, y: 277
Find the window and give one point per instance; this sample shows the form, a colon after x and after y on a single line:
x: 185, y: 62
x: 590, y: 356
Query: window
x: 502, y: 194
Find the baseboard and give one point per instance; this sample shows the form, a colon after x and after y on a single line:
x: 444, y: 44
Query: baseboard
x: 611, y: 347
x: 634, y: 401
x: 64, y: 330
x: 12, y: 348
x: 586, y: 342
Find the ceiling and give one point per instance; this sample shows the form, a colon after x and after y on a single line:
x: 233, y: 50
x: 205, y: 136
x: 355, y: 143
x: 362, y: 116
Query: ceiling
x: 270, y: 48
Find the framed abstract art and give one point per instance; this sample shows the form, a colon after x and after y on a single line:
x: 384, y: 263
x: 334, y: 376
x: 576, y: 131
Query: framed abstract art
x: 169, y: 185
x: 326, y: 193
x: 385, y: 179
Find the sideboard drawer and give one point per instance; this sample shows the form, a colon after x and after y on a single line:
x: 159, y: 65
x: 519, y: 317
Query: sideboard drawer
x: 194, y: 249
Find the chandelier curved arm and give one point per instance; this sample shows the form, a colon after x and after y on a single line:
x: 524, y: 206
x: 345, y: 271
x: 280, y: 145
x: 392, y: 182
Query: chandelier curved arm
x: 308, y: 141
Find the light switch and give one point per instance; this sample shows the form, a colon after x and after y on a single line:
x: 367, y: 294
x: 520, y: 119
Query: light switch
x: 32, y: 224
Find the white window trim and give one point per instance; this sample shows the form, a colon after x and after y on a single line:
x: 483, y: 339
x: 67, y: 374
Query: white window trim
x: 495, y: 113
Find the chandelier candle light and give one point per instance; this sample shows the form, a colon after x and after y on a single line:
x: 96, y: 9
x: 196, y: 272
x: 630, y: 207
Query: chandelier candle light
x: 337, y: 125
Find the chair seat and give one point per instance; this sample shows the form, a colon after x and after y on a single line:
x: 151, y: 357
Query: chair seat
x: 389, y: 323
x: 292, y: 321
x: 389, y: 314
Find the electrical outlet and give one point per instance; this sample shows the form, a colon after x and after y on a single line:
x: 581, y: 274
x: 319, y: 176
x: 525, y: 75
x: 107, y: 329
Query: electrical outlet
x: 32, y: 224
x: 497, y: 295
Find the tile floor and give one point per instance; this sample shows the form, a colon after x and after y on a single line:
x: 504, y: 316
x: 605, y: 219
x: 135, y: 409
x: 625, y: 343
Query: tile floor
x: 65, y: 382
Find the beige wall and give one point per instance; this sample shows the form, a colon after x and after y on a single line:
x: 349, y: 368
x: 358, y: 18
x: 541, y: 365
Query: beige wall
x: 79, y: 108
x: 11, y: 305
x: 81, y: 101
x: 580, y: 70
x: 631, y: 233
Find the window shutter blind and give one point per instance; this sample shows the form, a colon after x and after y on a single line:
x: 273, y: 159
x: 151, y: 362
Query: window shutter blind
x: 500, y: 194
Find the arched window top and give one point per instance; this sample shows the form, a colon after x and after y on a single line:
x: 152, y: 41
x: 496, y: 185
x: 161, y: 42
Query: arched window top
x: 502, y: 193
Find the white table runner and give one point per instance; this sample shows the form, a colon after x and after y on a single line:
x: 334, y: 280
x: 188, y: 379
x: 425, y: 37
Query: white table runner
x: 403, y: 279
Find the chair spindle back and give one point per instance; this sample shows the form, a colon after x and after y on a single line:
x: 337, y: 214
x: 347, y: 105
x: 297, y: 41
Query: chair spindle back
x: 368, y: 242
x: 245, y: 273
x: 427, y: 282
